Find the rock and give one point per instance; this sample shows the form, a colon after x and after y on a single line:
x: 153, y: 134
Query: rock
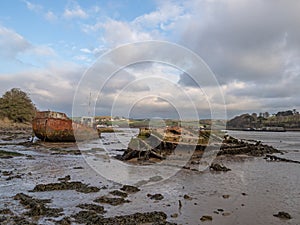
x: 130, y: 189
x: 119, y: 193
x: 156, y: 196
x: 206, y: 218
x: 187, y: 197
x: 220, y: 210
x: 7, y: 173
x: 218, y: 167
x: 65, y: 179
x: 225, y: 214
x: 225, y: 196
x: 175, y: 215
x: 283, y: 215
x: 111, y: 201
x: 78, y: 168
x: 244, y: 194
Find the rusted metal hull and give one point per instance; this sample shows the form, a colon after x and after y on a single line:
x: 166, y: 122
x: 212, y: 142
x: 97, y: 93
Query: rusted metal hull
x: 57, y: 127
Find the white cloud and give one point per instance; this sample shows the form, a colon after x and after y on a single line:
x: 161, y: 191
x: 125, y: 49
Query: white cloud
x: 16, y: 52
x: 254, y: 53
x: 33, y: 7
x: 51, y: 87
x: 75, y: 12
x: 11, y: 43
x: 50, y: 16
x: 117, y: 32
x: 42, y: 50
x: 166, y: 14
x: 86, y: 50
x: 145, y: 27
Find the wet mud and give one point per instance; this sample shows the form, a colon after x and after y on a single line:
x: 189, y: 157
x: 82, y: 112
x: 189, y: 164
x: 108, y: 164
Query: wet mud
x: 42, y: 183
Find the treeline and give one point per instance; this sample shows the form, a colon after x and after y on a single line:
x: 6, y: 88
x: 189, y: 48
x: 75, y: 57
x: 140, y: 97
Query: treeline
x: 289, y: 119
x: 16, y: 106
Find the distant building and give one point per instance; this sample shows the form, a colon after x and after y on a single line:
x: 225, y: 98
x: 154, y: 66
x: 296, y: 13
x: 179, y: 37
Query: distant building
x: 87, y: 120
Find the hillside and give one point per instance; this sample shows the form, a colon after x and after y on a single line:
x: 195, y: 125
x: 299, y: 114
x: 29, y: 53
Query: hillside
x: 289, y: 119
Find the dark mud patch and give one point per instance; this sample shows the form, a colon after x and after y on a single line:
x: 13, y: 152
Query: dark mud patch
x: 74, y: 185
x: 6, y: 211
x: 64, y: 179
x: 88, y: 217
x: 119, y: 193
x: 64, y: 221
x: 218, y: 167
x: 9, y: 154
x: 59, y: 151
x: 7, y: 173
x: 129, y: 189
x: 92, y: 207
x: 111, y: 201
x: 18, y: 176
x: 37, y: 207
x: 154, y: 218
x: 78, y: 168
x: 19, y: 220
x: 155, y: 196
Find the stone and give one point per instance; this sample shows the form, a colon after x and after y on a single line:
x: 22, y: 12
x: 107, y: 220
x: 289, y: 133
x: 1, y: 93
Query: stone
x: 283, y: 215
x: 206, y: 218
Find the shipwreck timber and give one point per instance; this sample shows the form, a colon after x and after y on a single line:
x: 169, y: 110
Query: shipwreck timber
x: 160, y: 143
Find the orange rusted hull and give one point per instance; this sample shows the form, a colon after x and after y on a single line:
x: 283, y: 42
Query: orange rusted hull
x: 57, y: 127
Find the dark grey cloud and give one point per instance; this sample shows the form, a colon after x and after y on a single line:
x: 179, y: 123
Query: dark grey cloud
x: 245, y: 40
x: 187, y: 80
x: 256, y: 43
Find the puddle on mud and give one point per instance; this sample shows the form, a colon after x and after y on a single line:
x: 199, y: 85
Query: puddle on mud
x: 254, y: 189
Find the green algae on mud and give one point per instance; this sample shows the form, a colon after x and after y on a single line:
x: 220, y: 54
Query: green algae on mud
x: 90, y: 217
x: 37, y: 207
x: 74, y: 185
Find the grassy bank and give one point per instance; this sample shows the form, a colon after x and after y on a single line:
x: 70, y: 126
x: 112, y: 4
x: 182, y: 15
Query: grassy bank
x: 10, y: 125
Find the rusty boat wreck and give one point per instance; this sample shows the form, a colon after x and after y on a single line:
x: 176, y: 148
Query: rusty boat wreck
x: 57, y: 127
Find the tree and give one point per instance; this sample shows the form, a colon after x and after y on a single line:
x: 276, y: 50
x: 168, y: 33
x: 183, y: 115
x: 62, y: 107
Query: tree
x: 17, y: 106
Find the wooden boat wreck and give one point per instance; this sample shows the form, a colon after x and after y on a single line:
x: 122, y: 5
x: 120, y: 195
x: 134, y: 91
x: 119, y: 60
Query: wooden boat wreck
x: 57, y: 127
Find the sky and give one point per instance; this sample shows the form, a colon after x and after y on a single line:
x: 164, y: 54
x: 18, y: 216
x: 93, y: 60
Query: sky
x: 252, y: 48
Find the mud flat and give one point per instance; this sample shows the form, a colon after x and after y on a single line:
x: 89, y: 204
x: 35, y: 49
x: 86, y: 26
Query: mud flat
x: 241, y: 187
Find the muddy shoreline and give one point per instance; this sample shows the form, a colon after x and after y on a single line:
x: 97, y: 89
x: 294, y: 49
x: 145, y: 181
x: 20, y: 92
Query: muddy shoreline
x: 50, y: 183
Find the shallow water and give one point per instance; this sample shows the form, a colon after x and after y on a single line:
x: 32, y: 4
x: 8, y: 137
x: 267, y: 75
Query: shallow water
x: 270, y: 187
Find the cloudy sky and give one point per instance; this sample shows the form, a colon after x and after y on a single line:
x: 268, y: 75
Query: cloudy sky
x: 251, y: 46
